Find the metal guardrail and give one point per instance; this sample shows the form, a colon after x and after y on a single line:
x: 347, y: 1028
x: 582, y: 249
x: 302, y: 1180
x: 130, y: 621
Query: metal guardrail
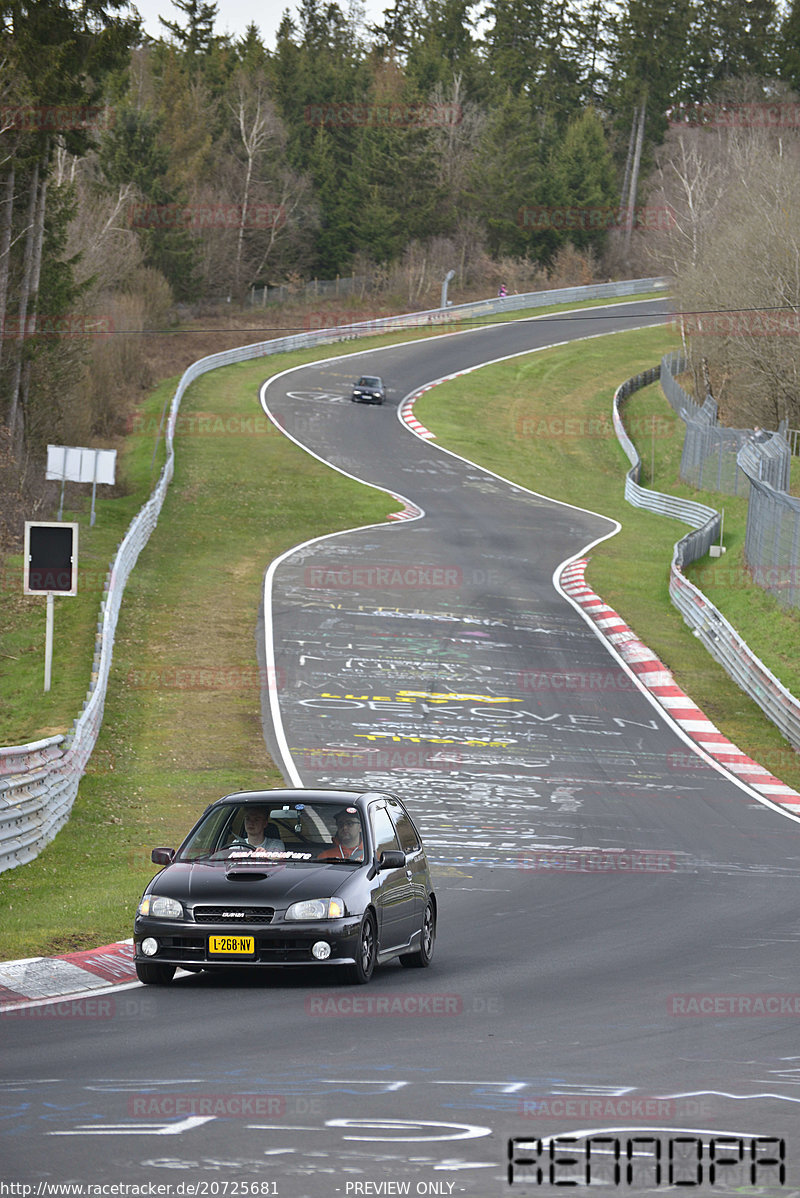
x: 39, y: 782
x: 718, y: 636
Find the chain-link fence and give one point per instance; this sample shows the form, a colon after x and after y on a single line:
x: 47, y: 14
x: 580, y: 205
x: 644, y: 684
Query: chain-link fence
x: 772, y: 540
x: 719, y: 637
x: 744, y: 462
x: 341, y: 285
x: 709, y: 460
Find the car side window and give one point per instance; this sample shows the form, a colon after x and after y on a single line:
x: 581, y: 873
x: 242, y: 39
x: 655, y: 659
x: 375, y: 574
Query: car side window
x: 406, y: 832
x: 383, y: 831
x: 209, y: 836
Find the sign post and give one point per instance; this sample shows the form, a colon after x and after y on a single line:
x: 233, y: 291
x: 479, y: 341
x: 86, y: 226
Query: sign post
x: 51, y: 568
x: 73, y: 464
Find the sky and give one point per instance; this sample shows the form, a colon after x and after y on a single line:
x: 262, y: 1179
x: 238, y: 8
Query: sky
x: 235, y: 15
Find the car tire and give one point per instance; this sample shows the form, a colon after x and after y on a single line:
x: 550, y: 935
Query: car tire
x: 427, y: 940
x: 361, y: 970
x: 153, y: 973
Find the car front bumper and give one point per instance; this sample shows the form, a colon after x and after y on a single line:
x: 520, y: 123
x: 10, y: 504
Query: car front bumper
x: 183, y: 942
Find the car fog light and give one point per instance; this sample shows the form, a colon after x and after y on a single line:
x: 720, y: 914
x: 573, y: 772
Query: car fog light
x: 321, y: 950
x: 149, y: 946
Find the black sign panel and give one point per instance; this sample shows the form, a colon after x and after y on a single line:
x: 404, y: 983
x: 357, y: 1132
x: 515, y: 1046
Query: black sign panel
x: 51, y: 558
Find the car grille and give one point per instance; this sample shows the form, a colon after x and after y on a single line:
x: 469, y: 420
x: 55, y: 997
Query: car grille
x: 233, y: 916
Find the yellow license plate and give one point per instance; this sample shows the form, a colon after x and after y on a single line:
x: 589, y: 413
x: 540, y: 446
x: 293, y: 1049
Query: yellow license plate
x: 237, y: 946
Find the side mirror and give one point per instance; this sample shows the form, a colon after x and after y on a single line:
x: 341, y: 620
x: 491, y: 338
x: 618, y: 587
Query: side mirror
x: 162, y: 856
x: 392, y: 859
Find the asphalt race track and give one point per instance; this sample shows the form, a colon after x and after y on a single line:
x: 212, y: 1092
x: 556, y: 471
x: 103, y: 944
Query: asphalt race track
x: 618, y: 917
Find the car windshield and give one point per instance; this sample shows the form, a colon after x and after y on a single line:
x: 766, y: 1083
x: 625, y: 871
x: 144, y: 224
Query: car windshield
x: 368, y: 381
x: 290, y: 832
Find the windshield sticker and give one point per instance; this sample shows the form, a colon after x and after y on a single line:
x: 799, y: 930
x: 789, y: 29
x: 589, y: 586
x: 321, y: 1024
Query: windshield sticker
x: 271, y: 854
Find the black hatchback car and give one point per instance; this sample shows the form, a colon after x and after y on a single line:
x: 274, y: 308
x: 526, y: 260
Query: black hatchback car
x: 369, y: 389
x: 290, y: 877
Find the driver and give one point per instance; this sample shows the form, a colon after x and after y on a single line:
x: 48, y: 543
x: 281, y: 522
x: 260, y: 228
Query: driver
x: 347, y: 842
x: 255, y: 826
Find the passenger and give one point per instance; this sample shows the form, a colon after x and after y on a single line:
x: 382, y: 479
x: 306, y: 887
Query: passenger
x: 347, y: 844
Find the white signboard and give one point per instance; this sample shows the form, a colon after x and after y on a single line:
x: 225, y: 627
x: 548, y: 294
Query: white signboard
x: 75, y: 465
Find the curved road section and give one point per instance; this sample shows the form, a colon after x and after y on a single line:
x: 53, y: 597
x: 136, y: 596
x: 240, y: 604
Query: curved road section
x: 434, y: 656
x: 618, y: 918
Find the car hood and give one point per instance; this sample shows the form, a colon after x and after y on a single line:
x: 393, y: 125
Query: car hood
x: 224, y: 881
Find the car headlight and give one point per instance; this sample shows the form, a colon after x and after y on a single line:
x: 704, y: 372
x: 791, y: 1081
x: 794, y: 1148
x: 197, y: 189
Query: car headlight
x: 322, y: 908
x: 161, y: 907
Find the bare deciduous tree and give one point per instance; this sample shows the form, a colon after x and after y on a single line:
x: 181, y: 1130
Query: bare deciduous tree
x: 733, y: 250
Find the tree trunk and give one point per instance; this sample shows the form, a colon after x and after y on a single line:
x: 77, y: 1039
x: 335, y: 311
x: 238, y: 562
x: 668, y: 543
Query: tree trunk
x: 14, y: 423
x: 242, y: 223
x: 36, y: 273
x: 5, y: 250
x: 634, y: 186
x: 626, y: 180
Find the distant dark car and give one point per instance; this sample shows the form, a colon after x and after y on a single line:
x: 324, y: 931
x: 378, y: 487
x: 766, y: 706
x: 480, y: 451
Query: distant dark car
x: 290, y: 877
x: 369, y: 389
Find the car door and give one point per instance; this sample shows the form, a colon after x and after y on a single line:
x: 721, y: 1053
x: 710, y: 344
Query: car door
x: 394, y: 894
x: 416, y: 862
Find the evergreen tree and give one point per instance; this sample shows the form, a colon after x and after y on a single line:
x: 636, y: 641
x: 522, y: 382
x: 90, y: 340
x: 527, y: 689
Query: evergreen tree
x: 515, y: 44
x: 196, y: 37
x: 731, y: 39
x: 585, y: 181
x: 57, y: 54
x: 338, y: 200
x: 788, y: 47
x: 440, y: 45
x: 134, y: 153
x: 649, y: 73
x: 508, y: 177
x: 250, y: 50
